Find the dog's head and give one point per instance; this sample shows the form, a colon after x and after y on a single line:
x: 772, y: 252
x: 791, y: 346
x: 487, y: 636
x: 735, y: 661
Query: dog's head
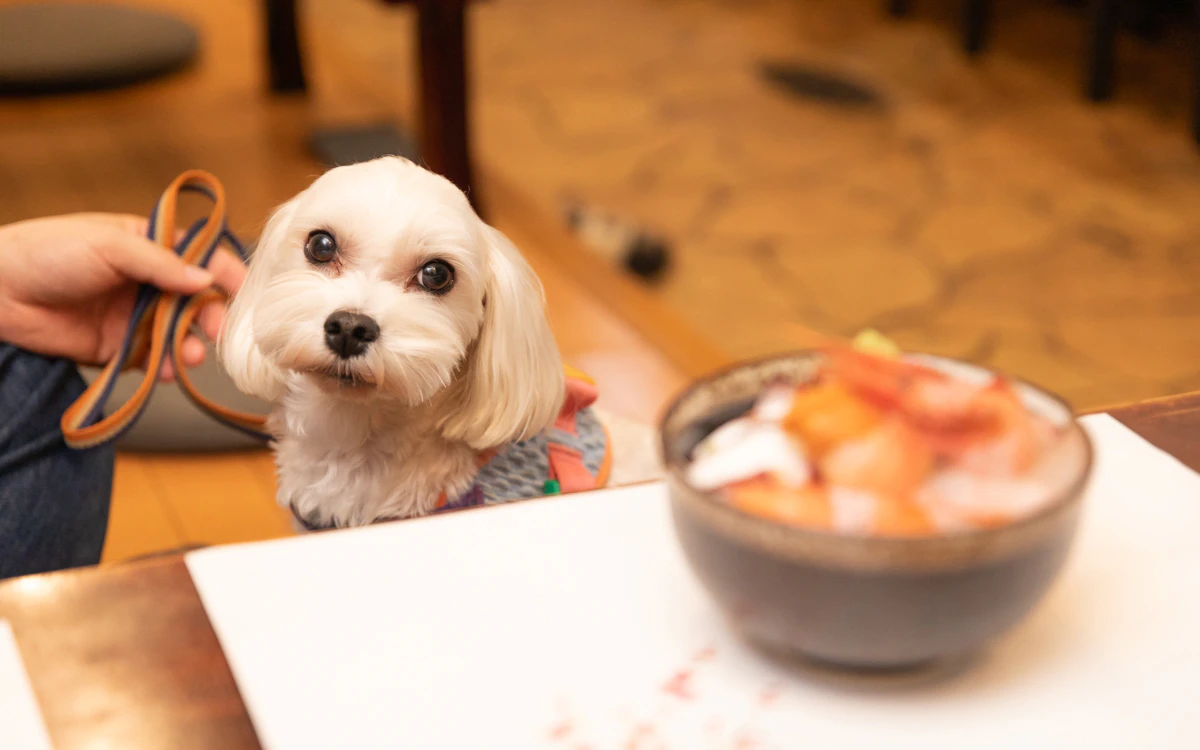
x: 380, y: 282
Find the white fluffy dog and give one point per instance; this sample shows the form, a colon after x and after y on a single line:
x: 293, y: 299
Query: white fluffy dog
x: 398, y: 338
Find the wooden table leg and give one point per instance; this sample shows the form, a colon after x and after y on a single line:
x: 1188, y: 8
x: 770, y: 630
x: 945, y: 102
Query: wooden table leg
x: 975, y: 25
x: 1102, y: 37
x: 1196, y: 71
x: 285, y: 62
x: 445, y: 136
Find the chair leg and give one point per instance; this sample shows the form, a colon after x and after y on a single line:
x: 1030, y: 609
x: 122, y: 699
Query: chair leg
x: 445, y: 136
x: 285, y: 61
x: 1196, y: 72
x: 1102, y: 33
x: 975, y: 22
x: 1147, y: 19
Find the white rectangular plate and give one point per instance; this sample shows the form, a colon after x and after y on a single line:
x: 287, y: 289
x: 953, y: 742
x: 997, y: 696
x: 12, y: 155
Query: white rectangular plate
x: 575, y: 623
x: 21, y: 724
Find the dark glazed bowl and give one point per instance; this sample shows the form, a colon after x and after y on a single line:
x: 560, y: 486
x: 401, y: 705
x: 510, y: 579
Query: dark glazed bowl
x: 853, y: 602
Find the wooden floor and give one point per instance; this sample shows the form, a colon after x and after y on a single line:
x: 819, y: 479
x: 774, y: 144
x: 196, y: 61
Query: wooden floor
x: 117, y: 151
x: 169, y: 502
x: 979, y: 210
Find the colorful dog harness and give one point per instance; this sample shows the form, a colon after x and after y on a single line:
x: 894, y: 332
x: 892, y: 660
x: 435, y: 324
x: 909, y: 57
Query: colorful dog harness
x: 572, y: 456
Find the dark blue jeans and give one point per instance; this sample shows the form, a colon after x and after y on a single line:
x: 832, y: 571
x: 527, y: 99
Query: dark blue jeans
x: 53, y: 500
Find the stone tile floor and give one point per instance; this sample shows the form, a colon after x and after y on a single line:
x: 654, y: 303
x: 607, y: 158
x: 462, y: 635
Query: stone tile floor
x: 980, y: 210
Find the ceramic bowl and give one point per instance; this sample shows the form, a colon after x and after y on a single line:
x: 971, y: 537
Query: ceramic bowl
x: 858, y: 602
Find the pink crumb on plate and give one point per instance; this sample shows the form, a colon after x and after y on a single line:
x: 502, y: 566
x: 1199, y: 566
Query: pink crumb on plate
x: 680, y: 685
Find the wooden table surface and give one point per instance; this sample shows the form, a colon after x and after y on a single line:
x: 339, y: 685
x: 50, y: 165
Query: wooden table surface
x: 124, y: 656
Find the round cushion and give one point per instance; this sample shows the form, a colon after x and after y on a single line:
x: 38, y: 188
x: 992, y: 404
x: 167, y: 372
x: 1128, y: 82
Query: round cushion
x: 64, y: 47
x: 172, y: 423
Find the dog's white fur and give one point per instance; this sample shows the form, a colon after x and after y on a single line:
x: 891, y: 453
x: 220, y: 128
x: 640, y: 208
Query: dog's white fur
x: 449, y: 375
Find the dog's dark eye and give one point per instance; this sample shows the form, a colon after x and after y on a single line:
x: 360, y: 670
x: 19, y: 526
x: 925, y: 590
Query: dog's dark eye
x: 321, y: 247
x: 437, y: 276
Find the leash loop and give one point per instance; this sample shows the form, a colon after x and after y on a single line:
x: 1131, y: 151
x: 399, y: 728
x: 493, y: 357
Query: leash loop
x: 159, y: 325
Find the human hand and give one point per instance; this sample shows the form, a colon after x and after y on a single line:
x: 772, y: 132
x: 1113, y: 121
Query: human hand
x: 68, y: 284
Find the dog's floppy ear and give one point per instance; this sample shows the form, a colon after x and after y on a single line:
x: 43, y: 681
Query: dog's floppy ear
x: 240, y: 355
x: 511, y: 386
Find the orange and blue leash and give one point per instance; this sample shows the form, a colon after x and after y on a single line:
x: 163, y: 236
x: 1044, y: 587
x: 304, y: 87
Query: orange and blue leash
x: 160, y: 324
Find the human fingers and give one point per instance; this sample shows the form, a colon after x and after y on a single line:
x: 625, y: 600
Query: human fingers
x: 138, y: 259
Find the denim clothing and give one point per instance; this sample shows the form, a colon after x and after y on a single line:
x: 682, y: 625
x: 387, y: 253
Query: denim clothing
x: 53, y: 500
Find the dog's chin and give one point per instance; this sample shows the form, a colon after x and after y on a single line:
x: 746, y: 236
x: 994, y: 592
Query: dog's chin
x: 346, y: 384
x: 359, y: 380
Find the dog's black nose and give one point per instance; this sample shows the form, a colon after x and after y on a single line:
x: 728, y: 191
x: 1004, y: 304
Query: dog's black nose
x: 348, y: 334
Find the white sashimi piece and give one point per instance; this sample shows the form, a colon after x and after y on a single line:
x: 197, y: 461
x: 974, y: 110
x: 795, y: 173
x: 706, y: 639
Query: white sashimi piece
x: 854, y: 511
x: 762, y: 449
x: 956, y: 496
x: 774, y: 403
x: 1003, y: 455
x: 724, y: 437
x: 1061, y: 463
x: 945, y: 520
x: 946, y: 517
x: 953, y: 497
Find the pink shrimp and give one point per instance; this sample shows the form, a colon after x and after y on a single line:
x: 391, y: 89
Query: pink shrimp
x: 985, y: 427
x: 929, y: 398
x: 886, y: 383
x: 957, y: 498
x: 1007, y: 438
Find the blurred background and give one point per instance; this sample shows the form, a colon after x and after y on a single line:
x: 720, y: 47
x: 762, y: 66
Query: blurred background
x: 1011, y: 182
